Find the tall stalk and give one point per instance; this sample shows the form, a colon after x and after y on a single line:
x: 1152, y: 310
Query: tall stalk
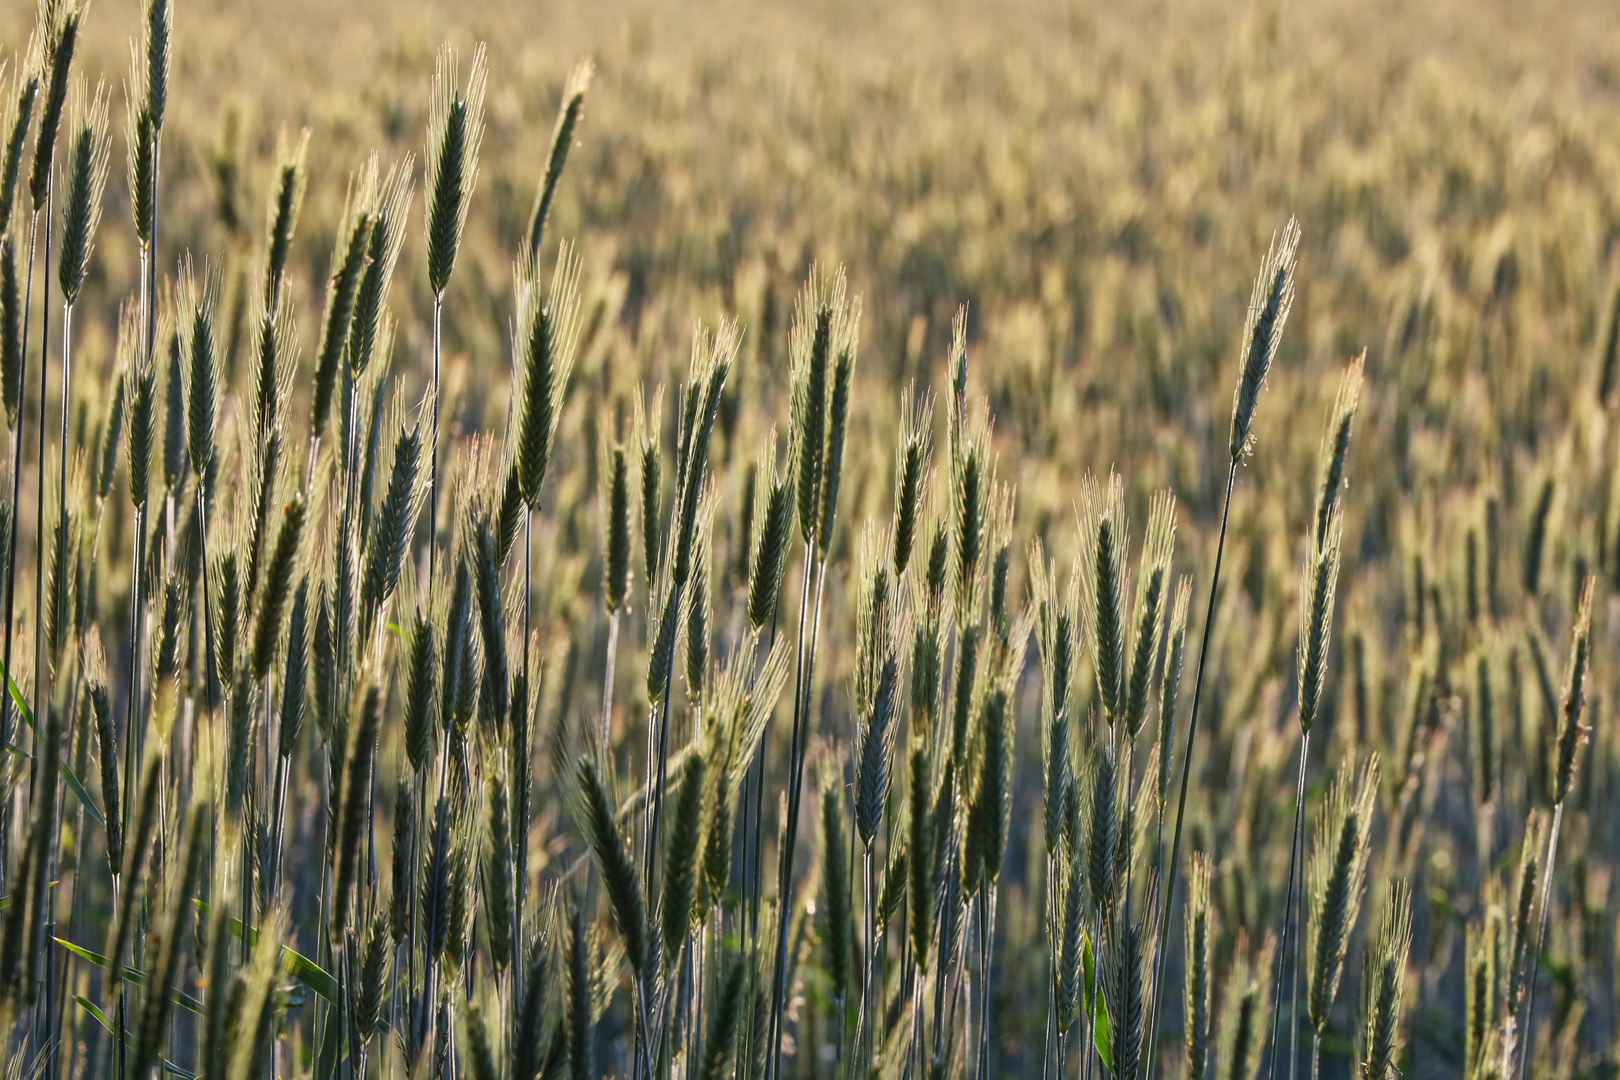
x: 1531, y: 979
x: 809, y: 621
x: 11, y: 540
x: 1566, y: 755
x: 1269, y: 304
x: 1295, y: 842
x: 455, y: 128
x: 14, y: 373
x: 824, y: 343
x: 1169, y: 891
x: 146, y: 126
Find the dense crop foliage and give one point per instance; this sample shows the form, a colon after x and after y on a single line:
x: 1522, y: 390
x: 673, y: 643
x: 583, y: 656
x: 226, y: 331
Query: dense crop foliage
x: 770, y: 554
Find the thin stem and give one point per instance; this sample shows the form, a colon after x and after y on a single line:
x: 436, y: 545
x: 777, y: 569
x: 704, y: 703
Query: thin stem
x: 279, y: 804
x: 149, y: 262
x: 430, y: 961
x: 656, y: 811
x: 213, y: 676
x: 987, y: 942
x: 1295, y: 839
x: 1186, y: 774
x: 1088, y: 1051
x: 11, y: 544
x: 61, y: 529
x: 643, y: 1031
x: 131, y: 747
x: 1299, y: 958
x: 39, y: 490
x: 1541, y: 942
x: 67, y: 383
x: 864, y: 1023
x: 433, y: 451
x: 40, y: 652
x: 1051, y: 966
x: 607, y: 684
x: 917, y: 981
x: 784, y: 872
x: 419, y: 808
x: 520, y: 822
x: 944, y: 975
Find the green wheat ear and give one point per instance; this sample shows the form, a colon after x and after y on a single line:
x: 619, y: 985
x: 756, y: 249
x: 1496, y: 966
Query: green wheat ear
x: 562, y: 140
x: 524, y: 1043
x: 680, y: 858
x: 61, y: 40
x: 369, y: 322
x: 1383, y: 985
x: 1152, y: 589
x: 1317, y: 593
x: 353, y: 817
x: 393, y: 524
x: 1337, y: 874
x: 16, y: 117
x: 623, y: 886
x: 141, y: 374
x: 579, y: 1015
x: 277, y: 585
x: 11, y: 331
x: 89, y: 150
x: 156, y: 31
x: 1269, y: 304
x: 112, y: 428
x: 349, y: 260
x: 498, y: 877
x: 1071, y: 959
x: 455, y: 130
x: 1335, y: 449
x: 770, y: 551
x: 913, y: 453
x: 992, y: 802
x: 199, y: 344
x: 1571, y: 731
x: 1056, y: 637
x: 1169, y: 689
x: 615, y: 501
x: 546, y: 340
x: 295, y: 671
x: 286, y: 200
x: 838, y: 916
x: 698, y: 619
x: 875, y: 756
x: 1104, y: 541
x: 403, y: 869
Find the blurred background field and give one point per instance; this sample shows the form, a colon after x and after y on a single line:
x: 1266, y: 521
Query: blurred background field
x: 1089, y: 179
